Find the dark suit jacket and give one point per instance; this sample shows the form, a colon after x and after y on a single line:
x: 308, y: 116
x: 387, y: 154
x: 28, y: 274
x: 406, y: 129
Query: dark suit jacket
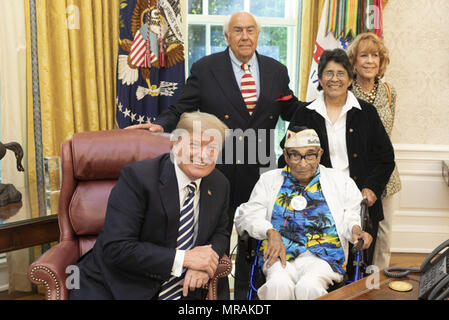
x: 134, y: 252
x: 212, y: 88
x: 370, y: 153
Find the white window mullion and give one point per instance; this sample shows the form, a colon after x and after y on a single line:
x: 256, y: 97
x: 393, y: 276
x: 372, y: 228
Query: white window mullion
x: 246, y: 5
x: 205, y: 7
x: 199, y: 19
x: 291, y: 9
x: 208, y: 39
x: 278, y: 22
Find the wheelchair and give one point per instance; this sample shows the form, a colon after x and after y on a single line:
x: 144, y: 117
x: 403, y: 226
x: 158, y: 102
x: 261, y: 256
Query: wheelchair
x: 357, y: 272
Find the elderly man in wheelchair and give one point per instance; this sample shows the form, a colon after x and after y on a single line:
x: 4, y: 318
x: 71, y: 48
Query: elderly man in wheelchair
x: 305, y: 214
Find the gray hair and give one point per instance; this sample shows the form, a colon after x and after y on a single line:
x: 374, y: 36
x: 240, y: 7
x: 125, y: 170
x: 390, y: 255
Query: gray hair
x: 204, y: 122
x: 228, y: 19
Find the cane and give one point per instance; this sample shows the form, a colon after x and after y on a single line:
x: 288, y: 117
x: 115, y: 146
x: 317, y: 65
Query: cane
x: 357, y: 248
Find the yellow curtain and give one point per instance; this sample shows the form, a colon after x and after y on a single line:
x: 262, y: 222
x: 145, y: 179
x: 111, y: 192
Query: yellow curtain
x: 77, y: 49
x: 310, y: 20
x: 77, y: 46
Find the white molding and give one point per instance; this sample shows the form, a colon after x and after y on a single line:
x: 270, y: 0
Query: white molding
x: 423, y: 152
x: 409, y: 229
x: 421, y: 213
x: 401, y: 147
x: 411, y: 250
x: 421, y: 216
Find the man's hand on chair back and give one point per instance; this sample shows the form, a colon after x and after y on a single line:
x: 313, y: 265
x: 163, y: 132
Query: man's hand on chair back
x: 150, y: 126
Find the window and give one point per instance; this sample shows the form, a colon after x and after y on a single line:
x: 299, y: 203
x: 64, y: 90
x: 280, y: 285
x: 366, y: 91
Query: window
x: 278, y: 38
x: 279, y: 28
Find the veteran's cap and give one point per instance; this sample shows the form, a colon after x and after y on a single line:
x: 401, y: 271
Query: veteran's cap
x: 302, y: 138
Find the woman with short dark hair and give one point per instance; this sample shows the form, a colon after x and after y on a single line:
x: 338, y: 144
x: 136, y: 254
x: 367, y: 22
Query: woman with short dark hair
x: 338, y: 56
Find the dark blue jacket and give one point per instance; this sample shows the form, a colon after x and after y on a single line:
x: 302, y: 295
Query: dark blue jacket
x: 135, y: 250
x: 212, y: 88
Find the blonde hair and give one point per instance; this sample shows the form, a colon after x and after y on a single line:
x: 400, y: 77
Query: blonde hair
x: 373, y: 44
x: 206, y: 121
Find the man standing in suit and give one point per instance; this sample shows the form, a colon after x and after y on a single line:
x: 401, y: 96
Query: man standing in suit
x: 165, y: 225
x: 248, y: 92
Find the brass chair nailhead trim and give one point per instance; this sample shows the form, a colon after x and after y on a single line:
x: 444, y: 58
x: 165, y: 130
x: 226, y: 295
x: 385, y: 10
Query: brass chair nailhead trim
x: 45, y: 283
x: 220, y: 275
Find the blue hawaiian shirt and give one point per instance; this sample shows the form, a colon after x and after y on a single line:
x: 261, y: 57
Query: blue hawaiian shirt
x: 312, y: 228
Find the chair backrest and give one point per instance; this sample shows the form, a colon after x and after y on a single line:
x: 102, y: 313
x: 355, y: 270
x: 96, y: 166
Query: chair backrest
x: 91, y: 164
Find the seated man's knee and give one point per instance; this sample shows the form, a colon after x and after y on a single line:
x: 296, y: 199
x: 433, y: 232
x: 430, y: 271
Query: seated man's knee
x: 310, y: 287
x: 278, y: 287
x: 279, y: 284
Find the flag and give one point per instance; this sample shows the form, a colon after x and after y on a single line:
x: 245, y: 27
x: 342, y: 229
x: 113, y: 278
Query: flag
x: 150, y: 66
x: 341, y: 21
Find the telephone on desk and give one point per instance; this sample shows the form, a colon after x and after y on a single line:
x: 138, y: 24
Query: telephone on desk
x: 434, y: 283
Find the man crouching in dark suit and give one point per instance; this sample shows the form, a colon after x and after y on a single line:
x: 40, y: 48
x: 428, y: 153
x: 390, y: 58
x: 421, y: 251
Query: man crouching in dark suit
x: 166, y: 222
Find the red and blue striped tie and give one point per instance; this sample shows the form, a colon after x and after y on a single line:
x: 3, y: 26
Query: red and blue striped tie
x: 172, y: 289
x: 249, y: 90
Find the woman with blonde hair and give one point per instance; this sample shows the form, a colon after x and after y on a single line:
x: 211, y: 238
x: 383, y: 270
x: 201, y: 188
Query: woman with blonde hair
x: 369, y: 56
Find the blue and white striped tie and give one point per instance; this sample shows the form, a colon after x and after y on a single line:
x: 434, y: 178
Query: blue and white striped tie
x: 172, y: 289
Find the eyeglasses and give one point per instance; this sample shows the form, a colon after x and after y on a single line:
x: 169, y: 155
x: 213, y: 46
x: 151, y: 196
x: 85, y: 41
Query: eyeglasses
x: 297, y: 157
x: 330, y: 74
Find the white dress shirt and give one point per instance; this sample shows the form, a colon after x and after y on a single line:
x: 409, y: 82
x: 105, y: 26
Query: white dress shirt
x: 183, y: 182
x: 336, y: 132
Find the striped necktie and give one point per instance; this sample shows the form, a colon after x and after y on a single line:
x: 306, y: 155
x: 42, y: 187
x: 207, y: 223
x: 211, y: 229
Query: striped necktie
x: 249, y: 90
x: 172, y: 289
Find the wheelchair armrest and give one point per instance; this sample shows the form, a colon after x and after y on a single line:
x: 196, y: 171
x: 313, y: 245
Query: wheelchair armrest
x: 50, y: 269
x: 244, y: 238
x: 247, y: 245
x: 223, y: 270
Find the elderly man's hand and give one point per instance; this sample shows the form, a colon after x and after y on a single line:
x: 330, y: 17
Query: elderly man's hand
x: 358, y: 234
x: 150, y: 126
x: 369, y: 195
x: 275, y: 249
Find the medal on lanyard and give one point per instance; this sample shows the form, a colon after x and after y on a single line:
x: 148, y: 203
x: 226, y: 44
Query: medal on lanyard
x: 298, y: 203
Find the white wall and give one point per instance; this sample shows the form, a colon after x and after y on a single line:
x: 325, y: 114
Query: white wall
x: 415, y: 32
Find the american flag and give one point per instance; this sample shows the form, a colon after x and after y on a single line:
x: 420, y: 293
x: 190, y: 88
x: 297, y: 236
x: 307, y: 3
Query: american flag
x: 138, y: 55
